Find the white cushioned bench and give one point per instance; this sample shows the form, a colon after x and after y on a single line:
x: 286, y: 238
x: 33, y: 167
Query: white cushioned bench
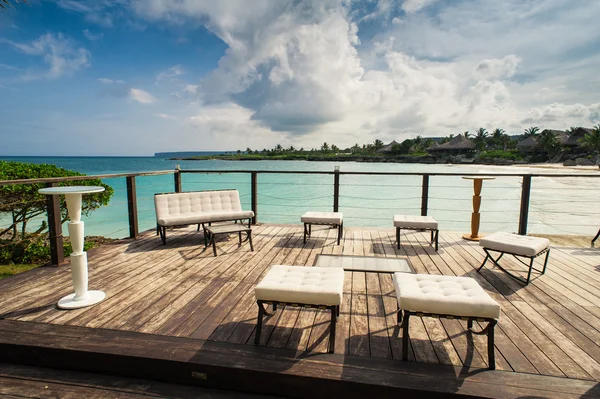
x: 427, y: 295
x: 335, y: 219
x: 417, y: 223
x: 318, y: 287
x: 518, y: 246
x: 198, y: 207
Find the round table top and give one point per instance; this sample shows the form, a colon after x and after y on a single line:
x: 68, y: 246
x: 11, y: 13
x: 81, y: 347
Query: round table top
x: 478, y: 177
x: 71, y: 190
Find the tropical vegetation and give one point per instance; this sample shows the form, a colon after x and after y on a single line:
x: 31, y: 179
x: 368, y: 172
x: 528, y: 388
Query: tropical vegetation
x: 21, y: 206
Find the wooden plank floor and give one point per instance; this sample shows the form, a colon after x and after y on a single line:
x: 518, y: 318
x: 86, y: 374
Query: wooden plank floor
x: 551, y: 327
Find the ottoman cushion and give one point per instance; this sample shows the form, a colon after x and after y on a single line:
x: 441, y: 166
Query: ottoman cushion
x: 323, y: 217
x: 447, y: 295
x: 515, y: 244
x: 302, y: 285
x: 415, y: 222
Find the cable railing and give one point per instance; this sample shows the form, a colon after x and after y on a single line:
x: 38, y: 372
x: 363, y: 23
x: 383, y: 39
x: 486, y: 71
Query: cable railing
x: 509, y: 202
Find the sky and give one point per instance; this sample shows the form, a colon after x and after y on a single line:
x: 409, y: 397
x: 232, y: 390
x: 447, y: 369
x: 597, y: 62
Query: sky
x: 135, y: 77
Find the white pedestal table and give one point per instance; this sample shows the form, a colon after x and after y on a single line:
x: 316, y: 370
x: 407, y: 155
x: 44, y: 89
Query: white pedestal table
x: 79, y: 270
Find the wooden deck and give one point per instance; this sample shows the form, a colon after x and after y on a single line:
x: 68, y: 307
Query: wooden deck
x: 549, y: 328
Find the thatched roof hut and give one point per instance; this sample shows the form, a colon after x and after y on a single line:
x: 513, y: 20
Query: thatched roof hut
x: 527, y: 144
x: 578, y: 134
x: 388, y: 148
x: 433, y: 146
x: 457, y: 144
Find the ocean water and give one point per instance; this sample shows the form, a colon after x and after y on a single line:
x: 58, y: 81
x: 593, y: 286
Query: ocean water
x: 559, y: 205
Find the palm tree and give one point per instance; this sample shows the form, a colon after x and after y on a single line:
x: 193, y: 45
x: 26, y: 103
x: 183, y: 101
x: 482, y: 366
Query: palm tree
x: 498, y: 138
x: 377, y: 144
x: 592, y: 140
x: 278, y: 148
x: 4, y: 4
x: 571, y: 130
x: 531, y: 131
x: 547, y: 140
x: 355, y: 148
x: 466, y: 134
x: 325, y: 147
x: 480, y: 137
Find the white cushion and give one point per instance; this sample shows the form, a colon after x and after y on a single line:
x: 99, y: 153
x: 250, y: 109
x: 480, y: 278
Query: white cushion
x: 415, y: 222
x: 447, y: 295
x: 299, y: 284
x: 199, y: 207
x: 323, y: 217
x: 514, y: 243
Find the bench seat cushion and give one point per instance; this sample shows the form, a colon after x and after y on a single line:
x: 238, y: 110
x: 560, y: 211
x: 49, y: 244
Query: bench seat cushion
x: 323, y: 217
x: 446, y: 295
x: 515, y: 244
x: 203, y: 217
x: 415, y: 222
x: 302, y: 285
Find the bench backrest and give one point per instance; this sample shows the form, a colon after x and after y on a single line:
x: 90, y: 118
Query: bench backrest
x: 197, y: 201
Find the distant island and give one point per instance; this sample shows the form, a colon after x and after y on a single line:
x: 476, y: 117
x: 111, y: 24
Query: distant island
x: 575, y: 146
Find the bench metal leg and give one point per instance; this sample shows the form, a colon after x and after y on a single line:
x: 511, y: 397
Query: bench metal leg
x: 306, y: 232
x: 340, y: 232
x: 491, y: 353
x: 250, y: 240
x: 163, y: 234
x: 398, y: 236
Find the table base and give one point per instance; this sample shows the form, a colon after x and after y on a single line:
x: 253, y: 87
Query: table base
x: 468, y: 237
x: 93, y: 297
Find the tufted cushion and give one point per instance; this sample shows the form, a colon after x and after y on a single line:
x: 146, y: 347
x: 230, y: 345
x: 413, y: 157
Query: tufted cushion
x: 298, y: 284
x: 515, y: 244
x: 448, y: 295
x: 199, y: 207
x: 415, y: 222
x: 323, y: 217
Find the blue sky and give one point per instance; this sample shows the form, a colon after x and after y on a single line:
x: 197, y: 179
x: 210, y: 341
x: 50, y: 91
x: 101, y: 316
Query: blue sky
x: 127, y: 77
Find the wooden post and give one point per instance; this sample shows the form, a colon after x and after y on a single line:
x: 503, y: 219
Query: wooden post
x: 254, y: 195
x: 525, y: 196
x: 424, y: 195
x: 177, y: 177
x: 336, y: 189
x: 132, y: 207
x: 57, y: 255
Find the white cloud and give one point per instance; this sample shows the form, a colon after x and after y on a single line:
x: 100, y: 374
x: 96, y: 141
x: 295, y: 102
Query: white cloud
x: 111, y: 81
x: 60, y: 53
x: 491, y: 69
x: 97, y: 12
x: 141, y: 96
x: 411, y: 6
x: 564, y: 115
x: 169, y: 74
x: 91, y: 36
x: 299, y: 68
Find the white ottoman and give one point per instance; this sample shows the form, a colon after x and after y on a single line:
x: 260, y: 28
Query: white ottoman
x: 417, y: 223
x: 313, y: 287
x: 518, y: 246
x: 426, y: 295
x: 335, y: 219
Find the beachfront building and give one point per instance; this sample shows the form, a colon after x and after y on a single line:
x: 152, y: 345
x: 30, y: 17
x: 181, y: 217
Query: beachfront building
x: 458, y: 145
x: 531, y: 144
x: 573, y: 143
x: 389, y: 148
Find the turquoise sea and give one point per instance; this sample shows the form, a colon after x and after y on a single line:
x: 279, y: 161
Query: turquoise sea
x: 558, y: 205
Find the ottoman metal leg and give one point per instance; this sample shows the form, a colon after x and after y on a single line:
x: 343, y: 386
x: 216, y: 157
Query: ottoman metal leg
x: 596, y: 237
x: 261, y: 312
x: 334, y: 313
x: 250, y: 240
x: 405, y: 323
x: 398, y: 236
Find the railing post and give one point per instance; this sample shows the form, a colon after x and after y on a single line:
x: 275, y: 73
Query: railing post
x: 424, y: 195
x: 132, y: 207
x: 525, y: 196
x: 336, y: 189
x: 177, y: 177
x: 57, y: 255
x: 254, y: 195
